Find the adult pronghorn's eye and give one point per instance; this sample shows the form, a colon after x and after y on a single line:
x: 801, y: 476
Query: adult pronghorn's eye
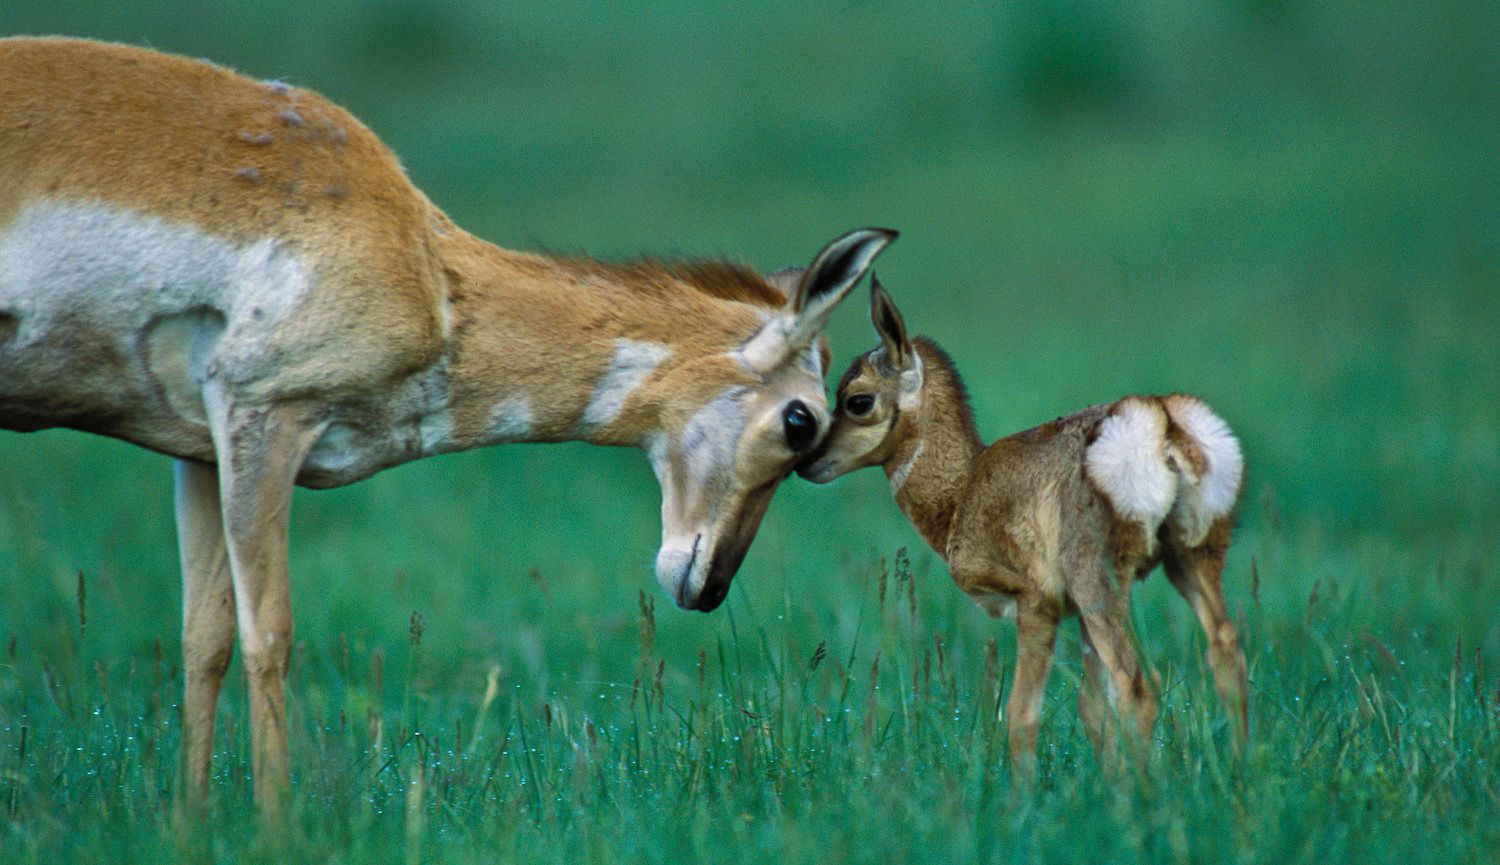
x: 859, y: 404
x: 800, y: 426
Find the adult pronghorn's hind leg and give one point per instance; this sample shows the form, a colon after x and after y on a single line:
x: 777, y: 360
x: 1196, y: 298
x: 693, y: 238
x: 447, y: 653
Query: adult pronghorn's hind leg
x: 207, y: 623
x: 260, y: 450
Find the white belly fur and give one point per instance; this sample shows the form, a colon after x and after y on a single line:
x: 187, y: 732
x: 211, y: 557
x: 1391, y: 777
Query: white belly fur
x: 111, y: 321
x: 86, y: 286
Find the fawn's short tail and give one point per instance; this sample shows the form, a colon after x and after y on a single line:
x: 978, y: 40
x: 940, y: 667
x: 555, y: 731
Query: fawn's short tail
x: 1206, y: 458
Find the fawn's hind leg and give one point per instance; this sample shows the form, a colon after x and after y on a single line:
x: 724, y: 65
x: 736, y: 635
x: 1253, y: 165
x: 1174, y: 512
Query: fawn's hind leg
x: 1197, y: 572
x: 1115, y: 670
x: 1093, y: 704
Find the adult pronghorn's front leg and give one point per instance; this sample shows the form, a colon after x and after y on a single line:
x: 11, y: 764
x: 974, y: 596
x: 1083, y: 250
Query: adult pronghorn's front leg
x: 207, y: 622
x: 260, y: 450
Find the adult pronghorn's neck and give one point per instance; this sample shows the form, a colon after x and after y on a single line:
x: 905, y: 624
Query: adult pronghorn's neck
x: 555, y: 349
x: 929, y: 468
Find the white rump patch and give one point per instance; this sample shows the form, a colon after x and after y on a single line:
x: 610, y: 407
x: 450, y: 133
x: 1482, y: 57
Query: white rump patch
x: 633, y: 363
x: 1128, y: 462
x: 338, y: 450
x: 1207, y: 498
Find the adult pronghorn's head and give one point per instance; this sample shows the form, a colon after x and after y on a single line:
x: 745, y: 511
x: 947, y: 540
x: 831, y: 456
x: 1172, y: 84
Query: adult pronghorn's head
x: 737, y: 423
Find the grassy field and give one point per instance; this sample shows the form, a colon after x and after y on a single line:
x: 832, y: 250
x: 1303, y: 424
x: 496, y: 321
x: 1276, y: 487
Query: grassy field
x: 1290, y: 208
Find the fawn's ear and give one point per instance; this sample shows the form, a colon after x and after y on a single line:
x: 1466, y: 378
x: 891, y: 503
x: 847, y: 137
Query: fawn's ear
x: 888, y: 323
x: 819, y: 287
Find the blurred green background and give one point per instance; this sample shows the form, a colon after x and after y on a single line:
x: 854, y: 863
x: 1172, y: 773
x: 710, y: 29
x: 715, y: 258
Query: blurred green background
x: 1288, y: 207
x: 1291, y: 208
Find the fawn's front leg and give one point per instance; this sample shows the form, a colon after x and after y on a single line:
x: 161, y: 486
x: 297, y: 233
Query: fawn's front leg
x: 1036, y: 636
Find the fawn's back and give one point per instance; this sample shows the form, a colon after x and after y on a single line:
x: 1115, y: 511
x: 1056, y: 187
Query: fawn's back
x: 1043, y: 506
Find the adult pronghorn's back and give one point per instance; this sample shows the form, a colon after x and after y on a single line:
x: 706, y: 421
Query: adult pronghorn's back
x: 189, y: 198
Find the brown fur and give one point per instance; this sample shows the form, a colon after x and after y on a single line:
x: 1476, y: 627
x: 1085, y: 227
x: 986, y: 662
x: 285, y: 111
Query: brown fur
x: 403, y: 334
x: 1022, y: 522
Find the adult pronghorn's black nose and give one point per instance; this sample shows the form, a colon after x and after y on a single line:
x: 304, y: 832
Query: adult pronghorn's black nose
x: 721, y: 570
x: 713, y: 594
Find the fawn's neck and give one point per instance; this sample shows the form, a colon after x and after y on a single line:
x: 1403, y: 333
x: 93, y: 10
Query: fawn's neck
x: 929, y: 469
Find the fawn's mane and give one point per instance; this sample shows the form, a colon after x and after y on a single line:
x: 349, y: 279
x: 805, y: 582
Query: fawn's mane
x: 936, y: 360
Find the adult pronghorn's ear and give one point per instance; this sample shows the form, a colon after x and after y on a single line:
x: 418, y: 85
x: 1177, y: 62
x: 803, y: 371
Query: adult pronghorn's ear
x: 888, y: 323
x: 834, y: 272
x: 832, y: 275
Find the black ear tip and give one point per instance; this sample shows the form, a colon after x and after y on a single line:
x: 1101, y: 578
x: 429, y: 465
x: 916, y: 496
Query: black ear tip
x: 873, y: 233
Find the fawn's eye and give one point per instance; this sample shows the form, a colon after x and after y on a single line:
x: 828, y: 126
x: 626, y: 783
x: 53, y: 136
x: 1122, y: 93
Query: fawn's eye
x: 859, y: 404
x: 799, y: 425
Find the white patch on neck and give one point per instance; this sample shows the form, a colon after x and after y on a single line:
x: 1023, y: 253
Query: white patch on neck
x: 633, y: 363
x: 903, y: 471
x: 511, y: 420
x: 269, y: 280
x: 657, y: 452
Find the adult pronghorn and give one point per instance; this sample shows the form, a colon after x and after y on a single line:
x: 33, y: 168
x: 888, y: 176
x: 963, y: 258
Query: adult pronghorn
x: 1056, y: 520
x: 239, y: 275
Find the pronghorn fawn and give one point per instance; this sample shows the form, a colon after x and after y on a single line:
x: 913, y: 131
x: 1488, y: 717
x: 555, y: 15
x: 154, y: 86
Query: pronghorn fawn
x: 239, y: 275
x: 1054, y: 521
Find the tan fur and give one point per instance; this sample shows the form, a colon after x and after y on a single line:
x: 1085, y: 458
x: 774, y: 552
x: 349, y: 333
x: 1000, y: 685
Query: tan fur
x: 239, y: 274
x: 1023, y: 521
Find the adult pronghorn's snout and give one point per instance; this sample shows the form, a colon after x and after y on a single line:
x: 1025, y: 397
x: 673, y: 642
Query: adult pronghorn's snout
x: 696, y: 567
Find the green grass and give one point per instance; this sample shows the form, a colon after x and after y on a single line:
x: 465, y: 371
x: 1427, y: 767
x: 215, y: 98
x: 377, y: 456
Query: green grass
x: 1373, y: 738
x: 1290, y: 208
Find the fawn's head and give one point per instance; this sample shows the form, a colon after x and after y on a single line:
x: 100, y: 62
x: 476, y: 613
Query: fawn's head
x: 876, y: 399
x: 735, y: 424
